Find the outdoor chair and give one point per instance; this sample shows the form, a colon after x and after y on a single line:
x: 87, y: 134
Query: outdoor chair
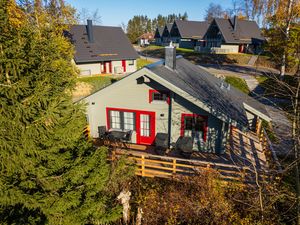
x: 102, y: 132
x: 185, y: 146
x: 161, y: 143
x: 127, y: 137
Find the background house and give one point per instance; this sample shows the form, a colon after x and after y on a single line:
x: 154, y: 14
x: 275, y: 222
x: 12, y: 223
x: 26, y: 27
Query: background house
x: 102, y: 50
x: 177, y: 98
x: 232, y: 36
x: 166, y: 38
x: 158, y: 35
x: 188, y: 34
x: 145, y: 39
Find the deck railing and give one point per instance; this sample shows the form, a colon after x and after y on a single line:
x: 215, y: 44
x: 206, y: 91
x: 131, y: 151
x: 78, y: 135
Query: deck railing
x: 149, y: 165
x: 268, y: 150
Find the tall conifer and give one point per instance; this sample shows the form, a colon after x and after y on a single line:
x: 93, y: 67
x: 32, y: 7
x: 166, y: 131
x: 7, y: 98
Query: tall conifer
x: 48, y: 172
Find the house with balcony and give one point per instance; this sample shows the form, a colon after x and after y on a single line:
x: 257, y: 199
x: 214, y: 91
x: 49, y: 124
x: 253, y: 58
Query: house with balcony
x: 102, y: 50
x: 173, y: 116
x: 188, y: 34
x: 232, y: 36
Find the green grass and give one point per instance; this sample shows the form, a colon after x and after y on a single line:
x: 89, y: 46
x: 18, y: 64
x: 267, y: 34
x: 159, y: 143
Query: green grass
x: 185, y: 50
x: 143, y: 62
x: 97, y: 82
x: 261, y: 79
x: 238, y: 83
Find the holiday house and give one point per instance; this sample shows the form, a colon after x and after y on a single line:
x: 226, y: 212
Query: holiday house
x: 102, y: 50
x: 172, y: 102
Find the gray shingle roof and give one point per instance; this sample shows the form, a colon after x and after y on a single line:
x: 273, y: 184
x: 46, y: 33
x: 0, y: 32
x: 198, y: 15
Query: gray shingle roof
x: 207, y: 88
x: 110, y: 43
x: 192, y: 29
x: 247, y: 31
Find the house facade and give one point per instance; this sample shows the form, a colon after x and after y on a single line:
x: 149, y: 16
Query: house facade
x: 145, y: 39
x: 232, y: 36
x: 158, y: 35
x: 188, y: 34
x: 102, y: 50
x: 176, y: 98
x: 166, y: 38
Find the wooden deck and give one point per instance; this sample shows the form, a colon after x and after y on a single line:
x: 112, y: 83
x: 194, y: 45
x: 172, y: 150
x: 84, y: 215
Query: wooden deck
x: 247, y: 159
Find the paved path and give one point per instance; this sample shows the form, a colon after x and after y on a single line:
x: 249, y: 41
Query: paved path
x: 253, y: 60
x: 281, y: 124
x: 143, y: 56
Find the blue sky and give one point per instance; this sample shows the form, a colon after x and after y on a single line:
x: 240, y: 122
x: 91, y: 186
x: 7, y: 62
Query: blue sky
x: 114, y: 12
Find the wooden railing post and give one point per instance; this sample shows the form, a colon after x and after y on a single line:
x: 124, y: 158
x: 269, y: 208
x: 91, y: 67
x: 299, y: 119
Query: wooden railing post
x: 258, y: 126
x: 174, y: 166
x: 113, y: 156
x: 243, y: 174
x: 143, y: 165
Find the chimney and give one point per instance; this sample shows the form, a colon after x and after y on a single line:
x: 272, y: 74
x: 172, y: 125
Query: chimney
x: 235, y: 19
x: 89, y: 28
x: 170, y: 56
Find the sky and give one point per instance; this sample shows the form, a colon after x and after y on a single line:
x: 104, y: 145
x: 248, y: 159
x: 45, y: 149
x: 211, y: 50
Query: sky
x: 115, y: 12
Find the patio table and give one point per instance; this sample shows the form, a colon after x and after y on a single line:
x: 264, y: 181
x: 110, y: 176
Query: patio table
x: 116, y: 135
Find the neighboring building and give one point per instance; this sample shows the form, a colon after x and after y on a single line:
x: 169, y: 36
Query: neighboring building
x: 166, y: 38
x: 158, y: 35
x: 188, y: 34
x: 102, y: 50
x: 145, y: 39
x: 177, y: 98
x: 232, y: 36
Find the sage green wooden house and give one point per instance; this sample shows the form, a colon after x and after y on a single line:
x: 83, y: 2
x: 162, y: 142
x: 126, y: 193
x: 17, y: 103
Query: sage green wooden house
x: 175, y: 97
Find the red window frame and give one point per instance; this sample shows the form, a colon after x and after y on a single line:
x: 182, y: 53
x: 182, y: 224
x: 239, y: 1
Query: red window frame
x: 139, y: 138
x: 151, y: 91
x: 205, y: 128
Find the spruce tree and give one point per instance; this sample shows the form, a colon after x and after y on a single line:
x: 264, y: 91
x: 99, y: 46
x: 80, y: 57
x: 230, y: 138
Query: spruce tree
x: 49, y: 173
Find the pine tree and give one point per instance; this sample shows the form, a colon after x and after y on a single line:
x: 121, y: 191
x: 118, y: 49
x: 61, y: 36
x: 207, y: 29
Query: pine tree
x: 48, y: 172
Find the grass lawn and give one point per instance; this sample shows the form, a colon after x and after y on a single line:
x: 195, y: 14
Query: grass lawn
x: 185, y: 50
x: 203, y: 58
x: 261, y: 79
x: 143, y: 62
x: 97, y: 82
x: 238, y: 83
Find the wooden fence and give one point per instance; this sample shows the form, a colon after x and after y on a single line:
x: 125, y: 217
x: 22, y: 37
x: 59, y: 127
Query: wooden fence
x: 149, y: 165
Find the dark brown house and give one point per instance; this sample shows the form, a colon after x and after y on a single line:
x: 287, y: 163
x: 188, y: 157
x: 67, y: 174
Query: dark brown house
x: 232, y: 36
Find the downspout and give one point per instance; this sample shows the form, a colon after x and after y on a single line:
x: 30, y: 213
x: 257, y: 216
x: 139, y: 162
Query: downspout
x: 170, y: 118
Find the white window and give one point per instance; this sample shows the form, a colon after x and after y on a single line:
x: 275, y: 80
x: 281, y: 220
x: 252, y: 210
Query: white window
x: 85, y: 73
x: 145, y: 125
x: 128, y: 121
x: 130, y: 62
x: 115, y: 119
x: 122, y: 120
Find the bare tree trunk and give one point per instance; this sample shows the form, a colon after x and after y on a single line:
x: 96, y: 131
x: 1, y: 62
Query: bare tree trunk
x: 296, y: 148
x: 124, y: 196
x: 287, y: 36
x: 139, y: 216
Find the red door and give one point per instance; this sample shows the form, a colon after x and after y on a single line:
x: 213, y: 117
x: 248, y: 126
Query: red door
x: 145, y: 128
x: 124, y: 65
x: 107, y: 67
x: 110, y: 67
